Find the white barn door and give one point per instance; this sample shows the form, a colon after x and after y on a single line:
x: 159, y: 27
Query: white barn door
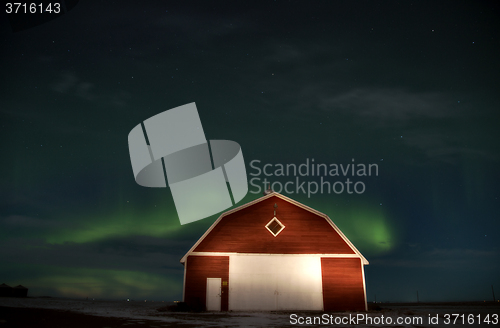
x: 275, y: 282
x: 213, y: 294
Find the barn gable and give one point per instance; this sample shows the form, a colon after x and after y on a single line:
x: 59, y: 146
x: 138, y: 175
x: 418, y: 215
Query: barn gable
x: 243, y: 230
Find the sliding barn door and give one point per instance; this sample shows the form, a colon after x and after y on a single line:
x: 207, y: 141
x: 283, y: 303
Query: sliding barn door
x: 275, y: 282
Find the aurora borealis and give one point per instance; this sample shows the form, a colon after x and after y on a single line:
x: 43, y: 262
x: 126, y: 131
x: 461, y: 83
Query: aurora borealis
x: 412, y: 87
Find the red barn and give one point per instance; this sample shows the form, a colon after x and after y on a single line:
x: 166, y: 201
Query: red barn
x: 274, y: 254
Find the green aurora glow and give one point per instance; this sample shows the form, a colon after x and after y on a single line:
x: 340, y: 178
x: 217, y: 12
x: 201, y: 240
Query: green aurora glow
x: 415, y: 92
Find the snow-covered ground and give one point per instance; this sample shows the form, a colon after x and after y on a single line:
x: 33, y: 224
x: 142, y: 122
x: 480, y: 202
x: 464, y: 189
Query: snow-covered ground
x: 415, y: 315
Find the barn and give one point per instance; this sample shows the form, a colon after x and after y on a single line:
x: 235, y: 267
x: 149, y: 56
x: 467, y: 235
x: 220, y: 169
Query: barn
x: 274, y: 253
x: 19, y: 291
x: 5, y: 290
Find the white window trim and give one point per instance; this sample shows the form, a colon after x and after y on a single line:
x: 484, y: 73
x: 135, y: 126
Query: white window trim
x: 273, y: 254
x: 283, y: 226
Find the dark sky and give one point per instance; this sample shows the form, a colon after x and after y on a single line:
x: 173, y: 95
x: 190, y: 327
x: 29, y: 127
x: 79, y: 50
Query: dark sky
x: 412, y: 87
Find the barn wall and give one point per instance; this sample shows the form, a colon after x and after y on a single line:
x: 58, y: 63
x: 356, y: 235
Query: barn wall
x: 343, y: 287
x: 20, y: 291
x: 6, y: 291
x: 198, y: 269
x: 244, y: 232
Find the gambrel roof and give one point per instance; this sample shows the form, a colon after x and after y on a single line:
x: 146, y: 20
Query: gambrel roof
x: 243, y: 230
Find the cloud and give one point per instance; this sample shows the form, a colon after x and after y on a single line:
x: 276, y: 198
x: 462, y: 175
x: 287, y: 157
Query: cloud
x: 385, y: 107
x: 203, y: 29
x: 116, y: 267
x: 119, y: 98
x: 22, y: 221
x: 446, y: 146
x: 70, y: 83
x: 431, y: 122
x: 13, y: 226
x: 128, y: 253
x: 81, y: 282
x: 444, y: 258
x: 318, y: 83
x: 83, y: 90
x: 66, y: 82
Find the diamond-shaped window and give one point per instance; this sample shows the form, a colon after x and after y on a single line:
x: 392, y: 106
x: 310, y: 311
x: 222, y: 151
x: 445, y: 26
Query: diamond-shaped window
x: 275, y: 226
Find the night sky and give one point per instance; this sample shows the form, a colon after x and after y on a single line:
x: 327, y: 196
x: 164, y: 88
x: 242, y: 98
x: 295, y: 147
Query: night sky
x: 411, y: 87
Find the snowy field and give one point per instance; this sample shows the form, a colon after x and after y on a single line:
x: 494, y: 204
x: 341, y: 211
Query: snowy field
x: 388, y: 315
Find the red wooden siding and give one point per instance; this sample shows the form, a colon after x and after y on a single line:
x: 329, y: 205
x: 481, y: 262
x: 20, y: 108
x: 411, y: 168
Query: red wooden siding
x: 342, y: 284
x: 198, y: 269
x: 244, y: 232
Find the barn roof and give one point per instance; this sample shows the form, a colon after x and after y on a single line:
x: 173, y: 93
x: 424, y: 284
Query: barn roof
x: 20, y: 287
x: 289, y: 200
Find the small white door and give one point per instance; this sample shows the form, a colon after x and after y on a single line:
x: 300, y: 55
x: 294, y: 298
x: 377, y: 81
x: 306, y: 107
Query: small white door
x: 214, y: 294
